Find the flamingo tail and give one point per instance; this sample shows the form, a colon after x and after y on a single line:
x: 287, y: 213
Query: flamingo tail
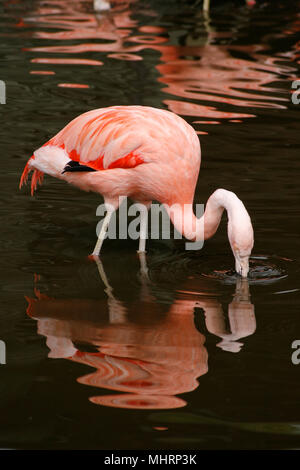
x: 37, y: 177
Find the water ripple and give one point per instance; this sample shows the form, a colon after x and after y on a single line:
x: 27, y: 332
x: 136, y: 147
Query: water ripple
x: 203, y: 73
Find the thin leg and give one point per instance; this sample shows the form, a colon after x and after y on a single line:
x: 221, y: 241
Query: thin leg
x: 108, y: 288
x: 143, y: 264
x: 142, y: 250
x: 144, y: 278
x: 103, y: 231
x: 117, y: 311
x: 144, y: 229
x: 206, y: 5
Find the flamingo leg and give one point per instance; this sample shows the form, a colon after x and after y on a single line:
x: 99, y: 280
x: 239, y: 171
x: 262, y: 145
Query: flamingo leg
x: 142, y: 248
x: 108, y: 288
x: 206, y: 5
x: 103, y: 231
x: 144, y: 278
x: 144, y: 228
x: 117, y: 311
x: 143, y: 264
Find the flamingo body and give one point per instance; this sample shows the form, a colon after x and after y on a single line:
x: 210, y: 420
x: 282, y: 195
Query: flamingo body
x: 154, y: 153
x: 146, y: 154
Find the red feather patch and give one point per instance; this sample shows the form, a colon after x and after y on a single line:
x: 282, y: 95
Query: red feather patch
x: 129, y: 161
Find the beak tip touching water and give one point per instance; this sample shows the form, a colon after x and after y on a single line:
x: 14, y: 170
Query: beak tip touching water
x: 242, y: 266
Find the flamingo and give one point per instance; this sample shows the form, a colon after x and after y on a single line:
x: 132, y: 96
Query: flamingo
x: 151, y: 365
x: 146, y: 154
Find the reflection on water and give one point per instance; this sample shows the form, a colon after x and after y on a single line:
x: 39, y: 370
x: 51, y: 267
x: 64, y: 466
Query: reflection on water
x: 212, y: 77
x: 151, y: 359
x: 61, y: 58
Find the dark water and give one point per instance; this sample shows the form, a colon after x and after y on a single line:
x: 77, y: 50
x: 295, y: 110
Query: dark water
x: 191, y: 357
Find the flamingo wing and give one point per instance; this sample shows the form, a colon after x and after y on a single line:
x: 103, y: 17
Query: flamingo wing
x: 120, y: 137
x: 101, y: 139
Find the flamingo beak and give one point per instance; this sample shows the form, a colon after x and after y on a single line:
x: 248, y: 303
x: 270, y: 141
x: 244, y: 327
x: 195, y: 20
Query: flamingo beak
x: 242, y: 265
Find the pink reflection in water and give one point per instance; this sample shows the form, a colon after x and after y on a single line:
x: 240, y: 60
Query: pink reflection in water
x: 124, y: 56
x: 150, y: 364
x: 204, y: 79
x: 52, y: 60
x: 192, y: 109
x: 150, y: 360
x: 218, y: 77
x: 72, y: 85
x: 127, y: 400
x: 42, y: 72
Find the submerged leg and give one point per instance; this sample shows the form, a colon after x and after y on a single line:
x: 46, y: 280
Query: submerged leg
x: 206, y: 5
x: 117, y: 311
x: 103, y: 231
x: 108, y: 288
x: 111, y: 206
x: 144, y: 278
x: 144, y: 228
x: 143, y: 264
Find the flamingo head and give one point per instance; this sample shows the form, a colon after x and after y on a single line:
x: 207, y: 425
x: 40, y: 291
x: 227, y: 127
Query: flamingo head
x: 240, y: 230
x: 242, y: 264
x: 241, y: 239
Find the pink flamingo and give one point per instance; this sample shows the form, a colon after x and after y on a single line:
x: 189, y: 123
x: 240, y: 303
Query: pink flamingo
x: 146, y: 154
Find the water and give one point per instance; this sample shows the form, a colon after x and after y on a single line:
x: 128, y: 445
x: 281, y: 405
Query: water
x: 190, y: 357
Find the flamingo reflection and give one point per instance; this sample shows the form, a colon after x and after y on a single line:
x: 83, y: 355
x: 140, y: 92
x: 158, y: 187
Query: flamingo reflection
x: 151, y: 359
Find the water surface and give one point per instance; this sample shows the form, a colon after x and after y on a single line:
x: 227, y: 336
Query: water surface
x: 100, y: 356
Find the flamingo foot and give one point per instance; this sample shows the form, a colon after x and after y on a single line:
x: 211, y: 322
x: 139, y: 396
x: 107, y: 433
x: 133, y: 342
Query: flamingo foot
x: 93, y: 257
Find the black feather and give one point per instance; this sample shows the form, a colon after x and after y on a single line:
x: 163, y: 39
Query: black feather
x: 72, y: 166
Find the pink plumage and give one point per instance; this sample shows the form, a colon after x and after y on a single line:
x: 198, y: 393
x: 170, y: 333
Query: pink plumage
x: 146, y: 154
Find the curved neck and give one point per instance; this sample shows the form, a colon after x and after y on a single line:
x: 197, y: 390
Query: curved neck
x: 201, y: 226
x: 240, y: 231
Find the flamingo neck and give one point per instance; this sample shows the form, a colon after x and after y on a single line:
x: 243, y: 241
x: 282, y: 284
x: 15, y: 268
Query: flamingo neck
x: 197, y: 227
x: 240, y: 231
